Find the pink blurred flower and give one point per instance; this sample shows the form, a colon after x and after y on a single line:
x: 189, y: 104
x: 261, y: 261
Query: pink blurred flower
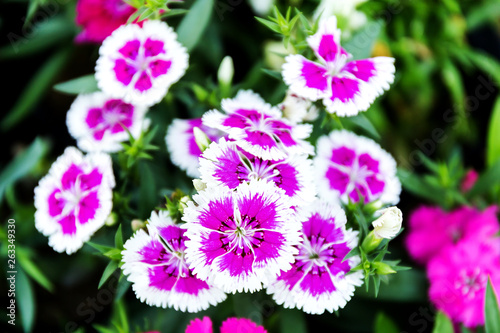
x: 231, y: 325
x: 469, y: 180
x: 99, y: 18
x: 431, y: 229
x: 458, y: 276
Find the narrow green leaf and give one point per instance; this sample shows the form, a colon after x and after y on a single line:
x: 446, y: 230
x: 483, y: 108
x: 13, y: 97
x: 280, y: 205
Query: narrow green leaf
x: 384, y: 324
x: 101, y: 248
x: 174, y: 12
x: 123, y: 285
x: 108, y: 271
x: 35, y: 89
x: 361, y: 44
x: 45, y: 35
x: 194, y: 23
x: 147, y: 189
x: 493, y: 139
x: 25, y: 299
x: 365, y: 124
x: 491, y: 310
x: 485, y: 181
x: 418, y: 186
x: 293, y: 321
x: 23, y: 164
x: 80, y: 85
x: 119, y: 238
x: 32, y: 270
x: 453, y: 81
x: 481, y: 15
x: 442, y: 324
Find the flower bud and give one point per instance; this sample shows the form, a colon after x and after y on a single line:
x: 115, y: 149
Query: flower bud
x: 199, y: 185
x: 382, y: 268
x: 137, y: 224
x: 111, y: 220
x: 201, y: 139
x: 389, y: 223
x: 226, y: 71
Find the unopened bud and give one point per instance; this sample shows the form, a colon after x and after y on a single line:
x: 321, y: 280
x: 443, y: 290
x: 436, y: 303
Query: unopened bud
x: 389, y: 223
x: 226, y: 71
x: 201, y: 139
x: 137, y: 224
x: 111, y: 220
x: 382, y: 268
x: 199, y: 185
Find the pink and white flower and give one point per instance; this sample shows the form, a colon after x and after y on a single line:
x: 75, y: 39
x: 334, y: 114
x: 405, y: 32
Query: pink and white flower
x: 320, y: 278
x: 182, y: 146
x: 230, y: 325
x: 155, y: 264
x: 226, y: 164
x: 259, y: 128
x: 351, y: 167
x: 74, y: 199
x: 240, y: 239
x: 99, y: 18
x: 139, y: 64
x: 458, y: 276
x: 346, y: 87
x: 98, y: 122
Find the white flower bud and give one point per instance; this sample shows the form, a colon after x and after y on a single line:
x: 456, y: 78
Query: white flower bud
x: 226, y: 71
x: 201, y: 139
x: 199, y: 185
x: 389, y: 223
x: 298, y: 109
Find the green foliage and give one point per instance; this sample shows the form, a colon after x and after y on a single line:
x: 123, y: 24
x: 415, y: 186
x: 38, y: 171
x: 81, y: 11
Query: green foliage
x: 80, y: 85
x: 23, y: 164
x: 25, y: 299
x: 442, y: 324
x: 194, y: 23
x: 384, y: 324
x: 491, y: 310
x: 493, y: 139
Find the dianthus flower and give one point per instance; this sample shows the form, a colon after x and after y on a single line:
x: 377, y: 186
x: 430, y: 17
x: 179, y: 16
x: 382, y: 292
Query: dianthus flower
x: 226, y: 164
x: 139, y: 64
x: 259, y: 128
x: 98, y: 122
x: 431, y: 229
x: 348, y: 167
x: 346, y: 87
x: 182, y: 146
x: 230, y: 325
x: 99, y: 18
x: 240, y: 239
x: 320, y: 278
x: 458, y: 276
x: 155, y: 264
x: 74, y: 199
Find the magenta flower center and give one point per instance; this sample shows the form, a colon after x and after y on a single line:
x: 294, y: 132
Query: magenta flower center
x: 112, y: 117
x: 241, y: 234
x: 471, y: 282
x: 140, y: 63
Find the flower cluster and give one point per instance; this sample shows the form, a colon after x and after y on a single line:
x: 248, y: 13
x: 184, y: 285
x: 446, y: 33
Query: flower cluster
x: 230, y: 325
x: 136, y: 67
x: 460, y: 249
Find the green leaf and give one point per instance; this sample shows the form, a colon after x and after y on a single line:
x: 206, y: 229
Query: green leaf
x: 108, y: 271
x: 174, y: 12
x: 491, y: 310
x: 32, y: 270
x: 365, y: 124
x: 119, y: 238
x: 453, y: 81
x: 23, y: 164
x: 194, y: 23
x: 25, y: 299
x: 45, y: 35
x: 418, y: 186
x: 493, y: 139
x: 443, y: 324
x: 481, y: 15
x: 80, y: 85
x: 101, y: 248
x: 35, y: 89
x: 361, y: 44
x: 293, y: 321
x: 486, y: 180
x: 123, y: 285
x: 384, y: 324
